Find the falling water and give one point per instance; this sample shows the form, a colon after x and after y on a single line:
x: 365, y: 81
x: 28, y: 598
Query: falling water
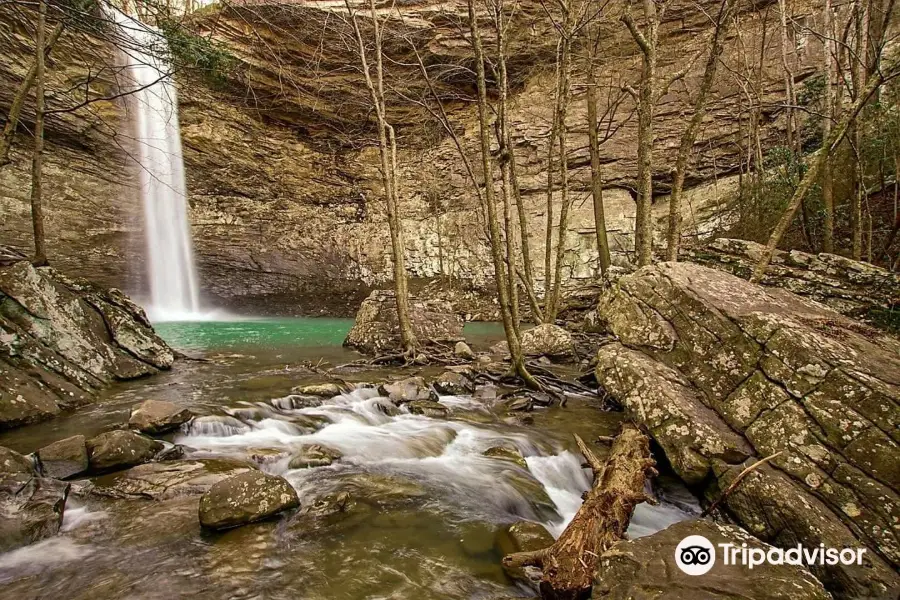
x: 172, y: 275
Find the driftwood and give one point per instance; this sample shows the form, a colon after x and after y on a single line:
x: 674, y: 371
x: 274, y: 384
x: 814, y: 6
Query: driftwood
x: 569, y: 564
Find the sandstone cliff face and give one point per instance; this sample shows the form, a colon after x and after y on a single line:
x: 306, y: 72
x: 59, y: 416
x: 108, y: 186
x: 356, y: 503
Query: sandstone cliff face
x: 283, y: 181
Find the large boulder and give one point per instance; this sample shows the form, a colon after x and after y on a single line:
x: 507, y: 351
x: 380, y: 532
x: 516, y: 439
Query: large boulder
x: 64, y: 458
x: 31, y: 508
x: 723, y: 373
x: 376, y: 329
x: 158, y: 416
x: 11, y: 462
x: 522, y: 536
x: 61, y: 340
x: 646, y: 569
x: 120, y: 449
x: 850, y: 287
x: 245, y: 498
x: 548, y: 340
x: 458, y: 382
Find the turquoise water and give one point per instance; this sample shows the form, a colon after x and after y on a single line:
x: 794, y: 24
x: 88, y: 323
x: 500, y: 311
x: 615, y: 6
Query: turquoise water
x: 273, y: 333
x: 297, y: 332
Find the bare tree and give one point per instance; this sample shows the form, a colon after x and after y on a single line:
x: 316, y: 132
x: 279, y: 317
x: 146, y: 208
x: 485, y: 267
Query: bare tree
x: 37, y: 161
x: 387, y: 148
x: 888, y: 72
x: 715, y: 46
x: 503, y: 278
x: 650, y: 90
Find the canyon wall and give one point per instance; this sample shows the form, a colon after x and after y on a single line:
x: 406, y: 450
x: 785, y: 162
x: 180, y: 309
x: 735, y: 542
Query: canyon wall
x: 283, y: 174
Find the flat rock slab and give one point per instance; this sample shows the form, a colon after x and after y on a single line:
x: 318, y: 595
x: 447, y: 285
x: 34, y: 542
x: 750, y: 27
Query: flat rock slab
x: 65, y: 458
x: 120, y: 450
x: 646, y: 569
x: 165, y: 480
x: 245, y: 498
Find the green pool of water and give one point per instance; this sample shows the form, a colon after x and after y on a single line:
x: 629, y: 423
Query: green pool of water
x: 298, y: 332
x: 280, y: 332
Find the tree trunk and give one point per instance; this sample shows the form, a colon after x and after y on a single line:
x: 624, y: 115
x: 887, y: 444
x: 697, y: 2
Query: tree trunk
x: 827, y: 179
x: 551, y: 146
x: 15, y: 110
x: 570, y: 563
x: 552, y: 306
x: 387, y: 146
x: 37, y: 213
x: 596, y: 174
x: 509, y: 326
x: 716, y: 46
x: 837, y: 135
x: 537, y: 315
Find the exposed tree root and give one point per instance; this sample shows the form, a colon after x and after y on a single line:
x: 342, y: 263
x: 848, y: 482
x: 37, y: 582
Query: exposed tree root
x: 569, y: 564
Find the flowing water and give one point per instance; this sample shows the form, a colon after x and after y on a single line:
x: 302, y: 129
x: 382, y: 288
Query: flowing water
x: 424, y: 504
x: 154, y: 113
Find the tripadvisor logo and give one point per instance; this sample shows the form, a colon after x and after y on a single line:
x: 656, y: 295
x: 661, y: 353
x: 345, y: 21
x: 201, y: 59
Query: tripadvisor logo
x: 696, y: 555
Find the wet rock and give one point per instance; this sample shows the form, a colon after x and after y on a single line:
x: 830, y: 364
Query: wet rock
x: 313, y: 455
x: 508, y: 454
x: 170, y: 479
x: 548, y: 340
x: 382, y: 490
x: 156, y: 416
x: 645, y: 569
x: 450, y: 383
x: 62, y: 340
x: 522, y: 536
x: 64, y: 458
x: 296, y: 401
x: 245, y: 498
x: 320, y: 390
x: 120, y: 450
x: 407, y: 390
x: 12, y: 463
x: 723, y: 372
x: 215, y: 425
x: 463, y: 351
x: 428, y: 408
x: 519, y: 403
x: 31, y: 508
x: 376, y: 330
x: 335, y: 512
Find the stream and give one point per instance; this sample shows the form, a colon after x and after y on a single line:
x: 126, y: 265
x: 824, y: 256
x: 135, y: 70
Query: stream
x: 421, y: 505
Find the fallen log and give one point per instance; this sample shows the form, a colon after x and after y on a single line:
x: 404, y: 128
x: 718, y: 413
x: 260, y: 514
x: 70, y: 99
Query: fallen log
x: 568, y: 565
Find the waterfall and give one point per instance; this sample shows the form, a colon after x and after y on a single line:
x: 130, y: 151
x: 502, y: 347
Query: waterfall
x: 154, y: 112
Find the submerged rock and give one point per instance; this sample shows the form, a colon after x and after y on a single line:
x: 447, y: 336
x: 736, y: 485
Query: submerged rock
x: 428, y: 408
x: 376, y: 329
x: 64, y: 458
x: 522, y: 536
x: 245, y: 498
x: 645, y: 569
x: 31, y: 508
x: 548, y: 340
x: 382, y: 490
x: 508, y: 454
x: 313, y: 455
x: 216, y: 426
x: 120, y: 450
x: 723, y: 373
x: 157, y: 416
x: 62, y: 340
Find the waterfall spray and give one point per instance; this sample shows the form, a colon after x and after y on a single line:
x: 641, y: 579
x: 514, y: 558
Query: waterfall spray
x: 154, y: 112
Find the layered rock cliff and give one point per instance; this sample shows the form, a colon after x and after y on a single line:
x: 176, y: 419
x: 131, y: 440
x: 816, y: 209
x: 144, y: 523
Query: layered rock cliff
x: 282, y: 173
